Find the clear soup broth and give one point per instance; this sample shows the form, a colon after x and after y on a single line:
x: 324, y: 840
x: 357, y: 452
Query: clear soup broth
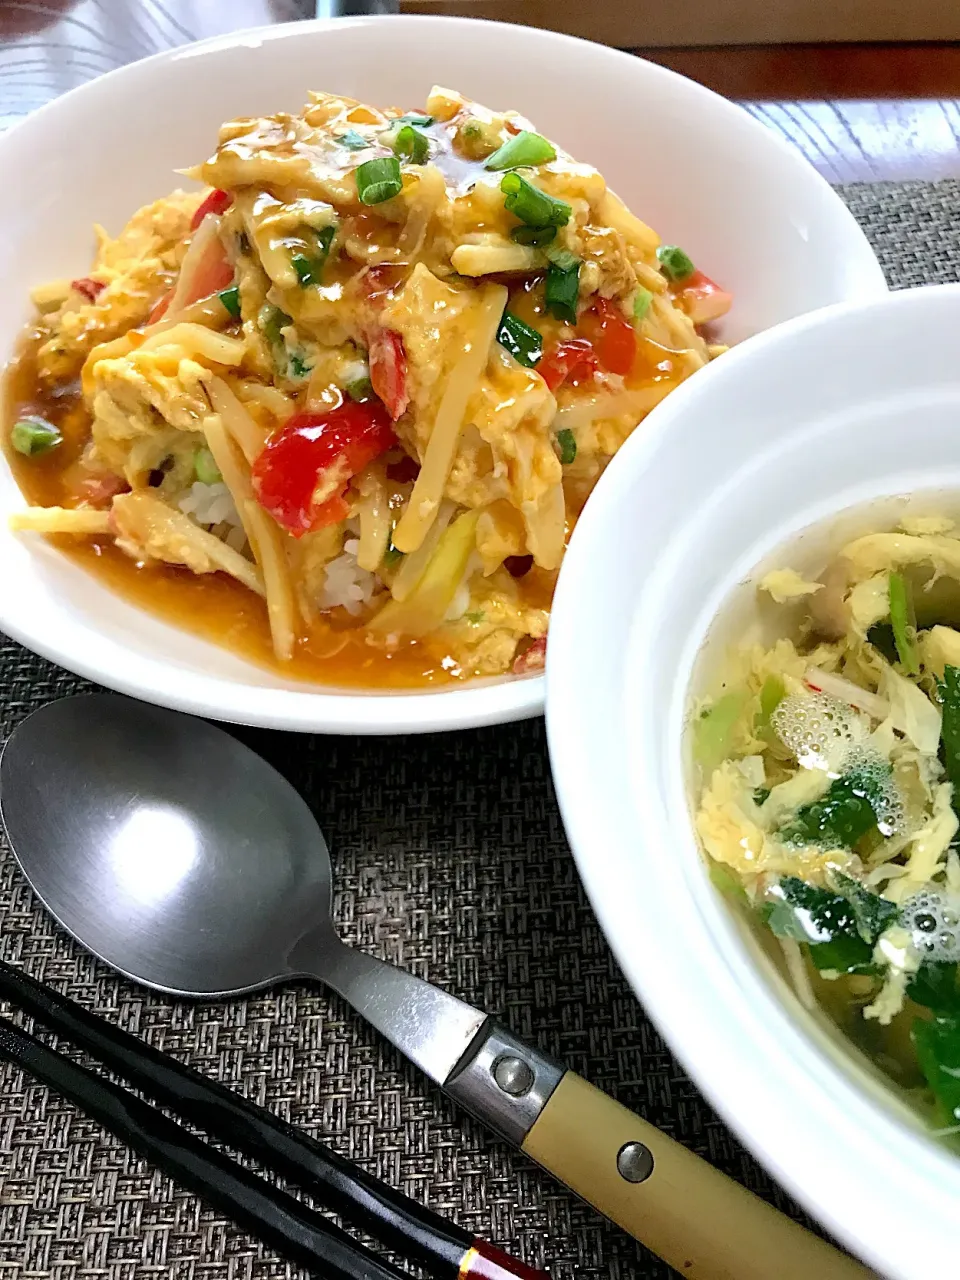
x: 826, y: 755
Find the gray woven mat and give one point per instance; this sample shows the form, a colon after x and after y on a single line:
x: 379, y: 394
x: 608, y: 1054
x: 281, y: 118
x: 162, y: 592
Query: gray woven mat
x: 450, y: 859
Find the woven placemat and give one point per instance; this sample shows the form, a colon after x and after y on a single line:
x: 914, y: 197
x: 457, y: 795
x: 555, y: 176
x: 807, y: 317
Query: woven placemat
x: 450, y: 859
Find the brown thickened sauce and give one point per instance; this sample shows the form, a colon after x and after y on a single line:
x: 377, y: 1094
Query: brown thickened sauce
x: 212, y: 606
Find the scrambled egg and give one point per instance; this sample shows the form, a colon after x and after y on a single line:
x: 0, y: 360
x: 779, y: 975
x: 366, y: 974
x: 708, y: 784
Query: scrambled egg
x: 371, y: 326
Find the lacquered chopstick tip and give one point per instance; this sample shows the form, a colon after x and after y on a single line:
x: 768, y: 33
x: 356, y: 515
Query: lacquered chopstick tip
x: 483, y: 1261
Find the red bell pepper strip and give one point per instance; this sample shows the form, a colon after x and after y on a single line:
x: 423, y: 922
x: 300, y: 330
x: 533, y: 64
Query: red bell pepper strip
x: 532, y: 659
x: 91, y: 289
x: 303, y: 471
x: 613, y: 336
x: 572, y: 361
x: 703, y: 299
x: 212, y: 274
x: 216, y: 202
x: 388, y: 370
x: 159, y: 308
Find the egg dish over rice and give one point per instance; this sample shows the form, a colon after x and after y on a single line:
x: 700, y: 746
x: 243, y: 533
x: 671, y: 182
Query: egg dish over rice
x: 340, y: 410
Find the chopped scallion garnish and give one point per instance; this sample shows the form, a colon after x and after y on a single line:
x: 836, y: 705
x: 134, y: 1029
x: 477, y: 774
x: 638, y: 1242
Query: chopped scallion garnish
x: 524, y: 343
x: 303, y: 266
x: 309, y: 267
x: 272, y: 320
x: 412, y: 145
x: 354, y: 141
x: 231, y: 301
x: 562, y: 258
x: 535, y: 236
x: 379, y: 180
x: 531, y: 205
x: 34, y: 435
x: 524, y: 150
x: 359, y: 389
x: 641, y: 303
x: 563, y: 291
x: 414, y: 117
x: 205, y: 467
x: 674, y: 263
x: 567, y: 446
x: 298, y: 367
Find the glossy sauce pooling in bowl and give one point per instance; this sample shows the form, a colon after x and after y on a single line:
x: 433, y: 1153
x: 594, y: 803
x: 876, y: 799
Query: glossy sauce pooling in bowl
x: 829, y: 765
x: 353, y: 398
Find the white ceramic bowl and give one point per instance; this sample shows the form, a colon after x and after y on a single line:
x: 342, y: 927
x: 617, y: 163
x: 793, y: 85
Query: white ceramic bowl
x: 853, y: 405
x: 699, y: 169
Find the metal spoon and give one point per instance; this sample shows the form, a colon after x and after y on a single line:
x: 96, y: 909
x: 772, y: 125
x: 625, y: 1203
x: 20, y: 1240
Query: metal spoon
x: 181, y: 858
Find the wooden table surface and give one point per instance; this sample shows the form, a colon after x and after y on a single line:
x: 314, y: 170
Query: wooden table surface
x: 857, y: 112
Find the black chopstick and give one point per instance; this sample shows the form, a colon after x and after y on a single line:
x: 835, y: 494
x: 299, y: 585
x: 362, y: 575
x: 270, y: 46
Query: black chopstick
x: 410, y: 1229
x: 296, y: 1231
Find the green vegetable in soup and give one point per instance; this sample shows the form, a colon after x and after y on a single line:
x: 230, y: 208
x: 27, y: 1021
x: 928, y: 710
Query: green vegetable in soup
x: 772, y: 694
x: 728, y: 884
x: 903, y: 620
x: 949, y: 689
x: 842, y: 815
x: 935, y: 986
x: 880, y: 636
x: 713, y: 732
x: 937, y: 1043
x: 841, y: 929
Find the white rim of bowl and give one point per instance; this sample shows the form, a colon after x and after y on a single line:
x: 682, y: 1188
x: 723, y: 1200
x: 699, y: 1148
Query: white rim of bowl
x: 338, y: 711
x: 788, y: 1093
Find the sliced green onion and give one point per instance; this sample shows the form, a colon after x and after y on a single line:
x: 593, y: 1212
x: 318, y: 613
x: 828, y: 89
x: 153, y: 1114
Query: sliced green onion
x: 523, y: 343
x: 303, y: 266
x: 533, y: 235
x: 562, y: 258
x: 379, y: 180
x: 205, y: 468
x: 413, y: 117
x: 298, y: 367
x: 563, y: 291
x: 359, y: 389
x: 903, y: 620
x: 309, y: 267
x: 531, y: 205
x: 412, y: 145
x: 31, y: 436
x: 524, y: 150
x: 231, y: 301
x: 354, y: 141
x: 567, y: 445
x: 272, y: 320
x: 391, y: 556
x: 675, y: 264
x: 641, y: 303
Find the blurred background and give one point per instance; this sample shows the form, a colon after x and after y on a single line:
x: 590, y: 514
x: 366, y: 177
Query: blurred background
x: 867, y: 90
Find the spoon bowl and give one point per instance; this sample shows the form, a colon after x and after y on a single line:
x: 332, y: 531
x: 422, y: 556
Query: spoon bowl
x: 183, y: 860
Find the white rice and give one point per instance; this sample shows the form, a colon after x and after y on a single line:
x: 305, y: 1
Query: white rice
x: 210, y: 504
x: 346, y: 584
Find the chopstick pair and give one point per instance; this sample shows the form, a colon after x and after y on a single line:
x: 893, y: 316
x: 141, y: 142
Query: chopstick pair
x: 295, y: 1230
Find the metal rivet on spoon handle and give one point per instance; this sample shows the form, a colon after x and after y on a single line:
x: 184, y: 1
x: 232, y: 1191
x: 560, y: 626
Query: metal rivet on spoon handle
x: 178, y: 856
